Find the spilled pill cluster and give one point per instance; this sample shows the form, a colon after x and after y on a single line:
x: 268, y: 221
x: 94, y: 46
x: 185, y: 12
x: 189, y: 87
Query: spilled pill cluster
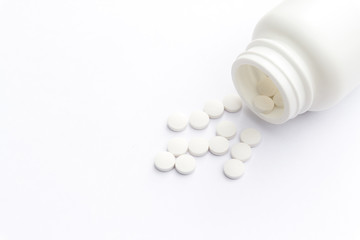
x: 181, y: 153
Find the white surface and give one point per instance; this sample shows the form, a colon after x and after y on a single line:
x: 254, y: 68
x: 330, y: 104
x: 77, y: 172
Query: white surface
x: 250, y: 136
x: 164, y: 161
x: 234, y: 168
x: 218, y: 145
x: 177, y: 122
x: 198, y: 146
x: 214, y: 108
x: 177, y: 146
x: 199, y: 120
x: 232, y: 103
x: 85, y: 91
x: 226, y: 129
x: 185, y: 164
x: 241, y: 151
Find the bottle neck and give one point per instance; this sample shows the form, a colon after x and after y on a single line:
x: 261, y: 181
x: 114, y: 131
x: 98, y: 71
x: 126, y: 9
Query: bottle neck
x: 284, y: 67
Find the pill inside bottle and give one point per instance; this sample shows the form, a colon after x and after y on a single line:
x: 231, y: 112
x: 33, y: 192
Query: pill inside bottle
x: 260, y: 93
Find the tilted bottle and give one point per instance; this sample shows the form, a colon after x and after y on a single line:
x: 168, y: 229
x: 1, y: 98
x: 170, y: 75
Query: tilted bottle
x: 310, y: 49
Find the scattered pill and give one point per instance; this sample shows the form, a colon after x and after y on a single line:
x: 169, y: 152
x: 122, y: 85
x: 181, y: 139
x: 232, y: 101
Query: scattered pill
x: 250, y: 136
x: 199, y: 120
x: 214, y: 108
x: 278, y: 100
x: 198, y: 146
x: 263, y: 104
x: 266, y: 87
x: 232, y: 103
x: 234, y: 169
x: 177, y: 146
x: 226, y: 129
x: 241, y: 151
x: 177, y: 122
x: 218, y: 145
x: 176, y: 155
x: 164, y: 161
x: 185, y: 164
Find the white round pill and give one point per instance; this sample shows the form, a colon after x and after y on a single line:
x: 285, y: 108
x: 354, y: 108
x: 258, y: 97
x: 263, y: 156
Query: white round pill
x: 263, y: 104
x: 214, y: 108
x: 199, y: 120
x: 177, y: 122
x: 226, y: 129
x: 266, y: 87
x: 177, y: 146
x: 198, y: 146
x: 234, y: 168
x: 278, y: 100
x: 250, y: 136
x: 241, y: 151
x: 232, y: 103
x: 218, y: 145
x: 185, y: 164
x: 164, y: 161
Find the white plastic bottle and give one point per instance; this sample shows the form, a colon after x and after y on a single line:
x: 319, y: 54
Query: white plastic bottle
x: 310, y: 49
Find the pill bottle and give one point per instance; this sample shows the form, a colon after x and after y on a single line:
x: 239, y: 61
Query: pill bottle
x: 310, y: 50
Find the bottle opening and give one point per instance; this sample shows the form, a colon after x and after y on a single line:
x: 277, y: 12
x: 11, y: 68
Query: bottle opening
x: 266, y: 67
x: 261, y: 93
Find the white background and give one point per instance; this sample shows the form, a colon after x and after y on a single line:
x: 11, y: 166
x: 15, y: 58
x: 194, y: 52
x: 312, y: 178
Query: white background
x: 85, y: 91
